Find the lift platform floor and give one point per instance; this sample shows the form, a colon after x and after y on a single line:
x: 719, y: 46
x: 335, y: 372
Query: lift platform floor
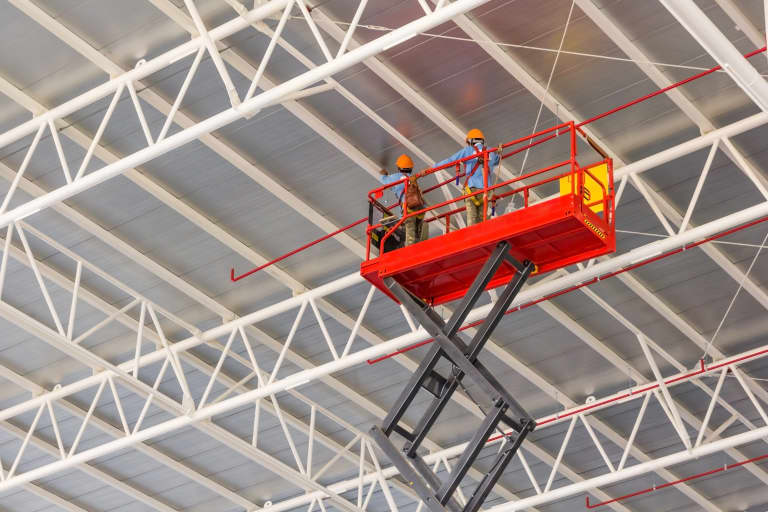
x: 552, y: 234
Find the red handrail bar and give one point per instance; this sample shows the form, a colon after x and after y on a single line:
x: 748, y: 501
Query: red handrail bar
x: 663, y: 90
x: 478, y: 192
x: 432, y: 170
x: 485, y: 153
x: 440, y: 184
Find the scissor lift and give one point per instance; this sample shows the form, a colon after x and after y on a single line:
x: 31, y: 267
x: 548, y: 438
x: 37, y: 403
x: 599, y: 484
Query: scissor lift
x: 499, y: 407
x: 460, y: 265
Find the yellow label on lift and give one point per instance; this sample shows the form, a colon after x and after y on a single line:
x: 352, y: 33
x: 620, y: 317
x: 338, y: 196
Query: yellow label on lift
x: 592, y: 189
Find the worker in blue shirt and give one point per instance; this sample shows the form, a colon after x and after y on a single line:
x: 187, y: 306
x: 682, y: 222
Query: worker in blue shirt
x: 474, y: 173
x: 415, y: 227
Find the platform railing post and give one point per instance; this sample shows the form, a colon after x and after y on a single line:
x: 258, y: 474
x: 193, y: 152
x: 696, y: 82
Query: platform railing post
x: 485, y: 183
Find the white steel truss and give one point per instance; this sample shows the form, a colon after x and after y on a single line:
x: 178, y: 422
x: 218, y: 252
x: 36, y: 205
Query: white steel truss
x: 192, y: 410
x: 79, y: 180
x: 142, y: 181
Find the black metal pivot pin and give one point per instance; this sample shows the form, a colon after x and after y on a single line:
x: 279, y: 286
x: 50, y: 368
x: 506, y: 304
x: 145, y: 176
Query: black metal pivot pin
x: 497, y: 404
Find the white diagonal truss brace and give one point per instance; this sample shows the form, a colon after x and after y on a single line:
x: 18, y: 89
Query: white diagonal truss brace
x: 162, y: 143
x: 272, y: 376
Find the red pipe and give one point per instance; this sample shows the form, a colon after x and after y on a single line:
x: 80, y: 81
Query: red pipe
x: 676, y: 482
x: 663, y: 90
x: 560, y: 127
x: 306, y: 246
x: 586, y: 283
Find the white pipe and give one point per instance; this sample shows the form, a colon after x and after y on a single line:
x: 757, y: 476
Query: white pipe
x: 223, y: 118
x: 686, y: 148
x: 692, y: 145
x: 720, y: 48
x: 634, y: 471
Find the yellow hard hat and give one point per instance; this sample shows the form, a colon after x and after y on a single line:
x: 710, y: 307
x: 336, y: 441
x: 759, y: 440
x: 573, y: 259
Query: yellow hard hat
x: 404, y: 162
x: 474, y: 133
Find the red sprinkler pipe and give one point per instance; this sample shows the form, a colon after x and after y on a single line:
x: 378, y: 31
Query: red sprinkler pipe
x: 676, y: 482
x: 586, y: 283
x: 663, y: 90
x: 306, y: 246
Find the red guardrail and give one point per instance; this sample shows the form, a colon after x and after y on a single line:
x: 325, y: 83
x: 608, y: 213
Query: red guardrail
x: 490, y: 193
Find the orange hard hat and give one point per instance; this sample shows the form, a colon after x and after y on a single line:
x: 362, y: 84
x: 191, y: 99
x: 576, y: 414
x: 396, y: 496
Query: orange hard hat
x: 474, y: 133
x: 404, y: 162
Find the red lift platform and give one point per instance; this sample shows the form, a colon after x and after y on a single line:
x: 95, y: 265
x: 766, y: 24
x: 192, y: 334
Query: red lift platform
x: 575, y: 225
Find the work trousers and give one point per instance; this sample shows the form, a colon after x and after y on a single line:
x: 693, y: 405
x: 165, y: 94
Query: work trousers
x: 416, y: 230
x: 474, y: 212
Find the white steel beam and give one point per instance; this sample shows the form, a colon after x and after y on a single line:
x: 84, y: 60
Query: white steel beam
x: 635, y: 471
x: 144, y: 448
x: 170, y: 10
x: 720, y: 48
x: 43, y: 19
x: 690, y: 235
x: 742, y: 22
x: 149, y: 334
x: 172, y: 201
x: 626, y: 45
x: 721, y: 137
x: 262, y: 177
x: 161, y: 400
x: 621, y: 365
x: 216, y: 121
x: 92, y: 471
x: 302, y: 377
x: 262, y: 337
x: 621, y: 398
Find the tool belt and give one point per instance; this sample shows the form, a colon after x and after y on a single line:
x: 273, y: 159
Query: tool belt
x: 419, y: 216
x: 477, y: 199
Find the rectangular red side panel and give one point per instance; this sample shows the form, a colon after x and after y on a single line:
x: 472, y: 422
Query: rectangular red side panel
x: 552, y: 234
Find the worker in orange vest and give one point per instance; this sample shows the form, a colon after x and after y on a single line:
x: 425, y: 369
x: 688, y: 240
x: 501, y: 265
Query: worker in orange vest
x: 473, y: 169
x: 415, y: 227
